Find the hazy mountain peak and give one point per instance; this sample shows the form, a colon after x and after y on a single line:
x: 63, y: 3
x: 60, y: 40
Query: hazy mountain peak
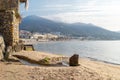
x: 38, y: 24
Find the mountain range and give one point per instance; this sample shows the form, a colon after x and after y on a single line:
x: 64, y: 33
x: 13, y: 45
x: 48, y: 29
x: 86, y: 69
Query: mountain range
x: 38, y: 24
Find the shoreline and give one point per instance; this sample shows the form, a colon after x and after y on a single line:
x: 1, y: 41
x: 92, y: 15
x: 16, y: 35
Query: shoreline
x: 101, y: 60
x: 88, y: 58
x: 107, y: 62
x: 88, y: 69
x: 102, y: 68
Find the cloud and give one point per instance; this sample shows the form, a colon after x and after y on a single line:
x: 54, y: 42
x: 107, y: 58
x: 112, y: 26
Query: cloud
x: 108, y: 22
x: 91, y: 2
x: 104, y: 13
x: 72, y: 17
x: 58, y: 6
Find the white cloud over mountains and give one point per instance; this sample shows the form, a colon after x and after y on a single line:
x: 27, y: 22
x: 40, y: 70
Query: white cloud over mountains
x: 105, y: 13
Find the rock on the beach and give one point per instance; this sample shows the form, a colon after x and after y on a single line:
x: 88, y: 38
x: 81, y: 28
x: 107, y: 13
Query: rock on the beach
x: 74, y: 60
x: 2, y: 47
x: 18, y: 48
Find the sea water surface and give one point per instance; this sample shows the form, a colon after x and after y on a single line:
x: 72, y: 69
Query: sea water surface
x: 107, y: 51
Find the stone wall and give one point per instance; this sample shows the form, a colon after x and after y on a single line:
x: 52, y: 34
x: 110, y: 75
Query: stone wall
x: 9, y: 21
x: 2, y: 47
x: 9, y: 4
x: 9, y: 27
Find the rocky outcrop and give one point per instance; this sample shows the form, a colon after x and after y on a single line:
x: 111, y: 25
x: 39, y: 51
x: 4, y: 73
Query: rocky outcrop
x: 2, y: 47
x: 74, y: 60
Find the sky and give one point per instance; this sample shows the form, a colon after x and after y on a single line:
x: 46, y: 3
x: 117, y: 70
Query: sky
x: 104, y: 13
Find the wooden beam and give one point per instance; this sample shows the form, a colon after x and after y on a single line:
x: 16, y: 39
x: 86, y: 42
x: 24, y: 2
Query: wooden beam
x: 22, y: 1
x: 26, y: 3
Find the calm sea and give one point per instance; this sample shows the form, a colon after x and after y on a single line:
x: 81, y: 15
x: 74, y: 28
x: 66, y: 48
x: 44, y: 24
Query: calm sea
x: 107, y: 51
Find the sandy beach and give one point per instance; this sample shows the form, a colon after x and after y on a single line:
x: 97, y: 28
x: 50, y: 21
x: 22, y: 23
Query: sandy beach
x: 88, y: 69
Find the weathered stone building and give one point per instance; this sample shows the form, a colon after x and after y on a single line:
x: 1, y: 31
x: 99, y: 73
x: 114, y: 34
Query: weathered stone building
x: 9, y: 21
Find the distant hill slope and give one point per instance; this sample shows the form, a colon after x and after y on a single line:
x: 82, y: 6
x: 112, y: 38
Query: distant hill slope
x: 42, y: 25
